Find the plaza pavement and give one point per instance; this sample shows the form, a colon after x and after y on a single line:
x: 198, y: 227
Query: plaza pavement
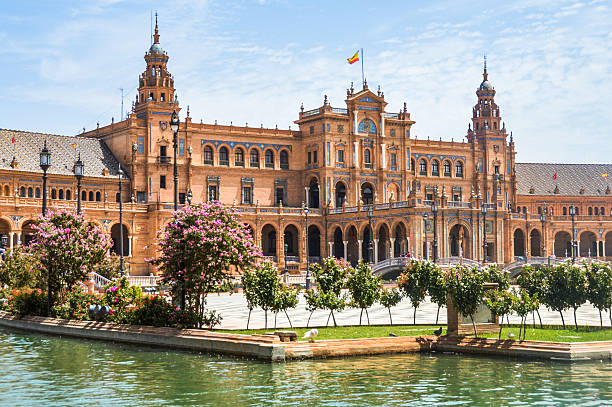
x: 234, y: 311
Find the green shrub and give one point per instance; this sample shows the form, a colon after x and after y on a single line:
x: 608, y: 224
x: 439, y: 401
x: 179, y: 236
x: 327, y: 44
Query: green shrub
x: 76, y: 305
x: 156, y: 311
x: 119, y: 295
x: 28, y: 302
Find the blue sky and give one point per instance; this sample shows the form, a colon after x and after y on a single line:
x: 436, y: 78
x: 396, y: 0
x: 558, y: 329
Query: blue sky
x: 255, y: 62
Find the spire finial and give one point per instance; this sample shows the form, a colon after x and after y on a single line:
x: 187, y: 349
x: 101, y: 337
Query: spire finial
x: 485, y: 74
x: 156, y: 36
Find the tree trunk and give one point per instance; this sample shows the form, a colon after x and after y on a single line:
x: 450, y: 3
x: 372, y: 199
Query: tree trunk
x: 414, y: 316
x: 562, y: 320
x: 474, y: 326
x: 360, y: 315
x: 334, y: 318
x: 438, y: 314
x: 533, y: 316
x: 390, y: 319
x: 520, y: 329
x: 368, y: 316
x: 328, y: 317
x: 575, y: 320
x: 600, y: 319
x: 540, y: 318
x: 275, y: 315
x: 249, y: 318
x: 266, y: 316
x: 288, y: 319
x: 308, y: 322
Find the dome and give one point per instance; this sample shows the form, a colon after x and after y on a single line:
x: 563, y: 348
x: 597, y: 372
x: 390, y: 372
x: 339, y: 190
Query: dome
x: 486, y: 85
x: 156, y: 49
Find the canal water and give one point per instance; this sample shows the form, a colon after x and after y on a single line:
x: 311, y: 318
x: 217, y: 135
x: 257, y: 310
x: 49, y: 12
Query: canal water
x: 50, y: 371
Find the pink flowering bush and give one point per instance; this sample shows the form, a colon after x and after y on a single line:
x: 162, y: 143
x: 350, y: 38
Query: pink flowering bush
x: 68, y: 248
x: 199, y: 247
x: 119, y: 295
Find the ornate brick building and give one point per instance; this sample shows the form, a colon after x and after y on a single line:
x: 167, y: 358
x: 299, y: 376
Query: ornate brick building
x: 351, y: 182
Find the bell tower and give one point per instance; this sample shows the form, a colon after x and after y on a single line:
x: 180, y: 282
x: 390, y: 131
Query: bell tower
x: 486, y: 118
x: 156, y: 84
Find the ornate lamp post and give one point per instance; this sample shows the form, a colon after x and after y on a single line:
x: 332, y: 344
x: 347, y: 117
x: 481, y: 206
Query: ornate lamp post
x: 286, y: 250
x: 305, y: 209
x: 543, y: 220
x: 174, y: 125
x: 370, y: 241
x: 425, y: 217
x: 45, y: 163
x: 189, y: 196
x: 572, y: 211
x: 121, y: 173
x: 434, y: 209
x: 484, y: 232
x: 79, y: 172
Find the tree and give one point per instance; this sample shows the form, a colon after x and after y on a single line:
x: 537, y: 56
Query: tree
x: 249, y: 287
x: 493, y: 274
x: 436, y: 287
x: 20, y: 269
x: 532, y: 280
x: 599, y: 291
x: 413, y: 283
x: 523, y: 304
x: 286, y: 298
x: 555, y: 284
x: 466, y: 287
x: 364, y: 288
x: 390, y: 298
x: 68, y: 248
x: 199, y: 248
x: 500, y: 303
x: 267, y: 282
x: 576, y: 291
x: 330, y: 281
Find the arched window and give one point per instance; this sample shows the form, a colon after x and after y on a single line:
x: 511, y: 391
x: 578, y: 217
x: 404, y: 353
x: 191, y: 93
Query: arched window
x: 30, y: 192
x: 367, y: 194
x: 340, y: 194
x: 91, y: 196
x: 83, y: 195
x: 367, y: 158
x: 435, y: 168
x: 269, y: 158
x: 68, y: 195
x: 539, y: 210
x: 565, y: 210
x: 53, y: 194
x: 590, y: 211
x: 284, y: 160
x: 208, y: 155
x: 524, y: 209
x: 223, y: 156
x: 239, y: 157
x: 254, y: 158
x: 422, y: 167
x: 412, y: 166
x: 60, y: 194
x: 22, y: 192
x: 447, y: 168
x: 596, y: 211
x: 37, y: 193
x: 459, y: 169
x: 367, y: 126
x: 98, y: 197
x: 601, y: 211
x: 7, y: 190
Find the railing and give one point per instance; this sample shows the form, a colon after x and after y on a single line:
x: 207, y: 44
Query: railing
x: 164, y: 159
x: 339, y: 110
x: 458, y: 204
x: 427, y: 202
x: 99, y: 281
x: 293, y: 259
x: 336, y: 210
x: 392, y: 115
x: 314, y: 259
x: 455, y: 260
x: 294, y: 279
x: 392, y: 262
x: 309, y: 113
x: 400, y: 204
x: 382, y: 206
x: 270, y: 258
x: 144, y: 281
x: 350, y: 209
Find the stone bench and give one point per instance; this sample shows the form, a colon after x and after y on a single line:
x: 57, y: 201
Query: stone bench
x: 287, y: 336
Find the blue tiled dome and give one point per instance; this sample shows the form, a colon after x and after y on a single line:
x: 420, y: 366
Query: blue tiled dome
x: 486, y: 85
x: 156, y: 49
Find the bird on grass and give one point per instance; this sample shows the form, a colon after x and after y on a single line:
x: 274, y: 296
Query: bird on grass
x: 511, y: 335
x: 310, y: 335
x: 392, y: 334
x: 438, y: 331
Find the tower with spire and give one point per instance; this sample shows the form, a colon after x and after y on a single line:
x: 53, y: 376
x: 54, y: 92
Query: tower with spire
x: 156, y: 84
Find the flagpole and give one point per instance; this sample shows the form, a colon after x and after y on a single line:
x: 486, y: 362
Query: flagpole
x: 362, y: 74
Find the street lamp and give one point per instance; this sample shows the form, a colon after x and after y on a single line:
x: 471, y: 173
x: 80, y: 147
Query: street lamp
x: 572, y: 211
x: 45, y: 163
x: 434, y: 209
x: 425, y: 217
x: 286, y: 250
x: 543, y: 220
x: 174, y: 126
x: 484, y: 232
x: 189, y: 196
x: 305, y: 209
x: 121, y: 173
x: 370, y: 242
x: 79, y: 171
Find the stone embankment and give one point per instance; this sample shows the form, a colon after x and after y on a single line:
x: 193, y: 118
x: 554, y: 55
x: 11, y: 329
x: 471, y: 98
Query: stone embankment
x: 270, y: 348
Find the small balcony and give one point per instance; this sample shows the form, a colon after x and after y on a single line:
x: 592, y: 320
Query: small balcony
x: 164, y: 159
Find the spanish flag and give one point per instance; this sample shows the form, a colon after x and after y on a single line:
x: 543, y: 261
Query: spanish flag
x: 354, y: 58
x: 73, y: 145
x: 604, y: 174
x: 13, y: 140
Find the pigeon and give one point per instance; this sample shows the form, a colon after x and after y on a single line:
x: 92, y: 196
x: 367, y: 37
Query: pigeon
x: 438, y: 331
x: 310, y: 335
x: 511, y: 335
x: 392, y: 334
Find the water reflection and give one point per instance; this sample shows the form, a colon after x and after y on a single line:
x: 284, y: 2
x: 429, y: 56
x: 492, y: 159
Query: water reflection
x: 48, y: 370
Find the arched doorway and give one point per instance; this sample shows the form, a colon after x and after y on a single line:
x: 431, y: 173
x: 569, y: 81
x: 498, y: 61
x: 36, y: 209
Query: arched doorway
x: 536, y: 243
x: 383, y: 243
x: 563, y: 244
x: 116, y: 236
x: 291, y: 242
x: 367, y: 193
x: 459, y: 241
x: 352, y: 246
x: 314, y: 243
x: 313, y: 193
x: 340, y: 194
x: 338, y: 244
x: 400, y: 243
x: 519, y: 243
x: 5, y: 229
x: 588, y: 244
x: 365, y: 247
x: 27, y: 232
x: 268, y: 241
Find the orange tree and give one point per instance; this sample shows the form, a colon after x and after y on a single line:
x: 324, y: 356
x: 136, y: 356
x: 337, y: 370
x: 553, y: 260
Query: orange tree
x: 413, y: 282
x: 198, y: 248
x: 68, y: 248
x: 466, y: 287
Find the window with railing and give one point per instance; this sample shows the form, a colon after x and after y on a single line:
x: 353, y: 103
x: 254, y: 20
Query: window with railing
x: 208, y: 155
x: 254, y: 158
x: 447, y: 168
x: 239, y: 157
x: 367, y: 158
x: 435, y: 168
x: 340, y: 156
x: 284, y: 160
x: 422, y: 167
x: 223, y: 156
x: 459, y: 169
x: 269, y: 158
